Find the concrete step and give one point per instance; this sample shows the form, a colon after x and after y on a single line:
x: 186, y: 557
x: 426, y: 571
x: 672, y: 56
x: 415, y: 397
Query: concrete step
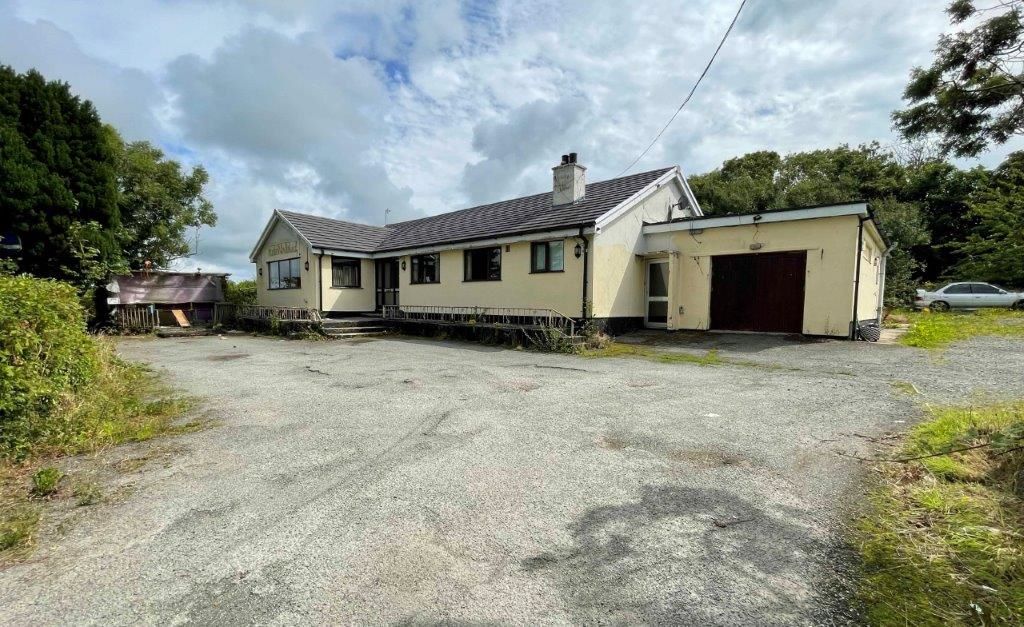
x: 363, y: 329
x: 356, y: 321
x: 351, y: 334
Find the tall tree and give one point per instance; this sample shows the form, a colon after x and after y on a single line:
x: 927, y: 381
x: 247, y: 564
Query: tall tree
x: 159, y: 202
x: 763, y: 180
x: 742, y: 185
x: 994, y: 249
x: 57, y: 181
x: 973, y: 93
x: 84, y: 203
x: 942, y: 191
x: 905, y: 229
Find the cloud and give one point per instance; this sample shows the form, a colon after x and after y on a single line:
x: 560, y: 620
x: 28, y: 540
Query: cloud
x: 282, y: 103
x: 519, y: 145
x: 124, y: 97
x: 345, y: 109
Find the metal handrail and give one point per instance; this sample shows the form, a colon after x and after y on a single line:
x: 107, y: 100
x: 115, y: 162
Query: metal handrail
x: 264, y: 312
x: 492, y: 316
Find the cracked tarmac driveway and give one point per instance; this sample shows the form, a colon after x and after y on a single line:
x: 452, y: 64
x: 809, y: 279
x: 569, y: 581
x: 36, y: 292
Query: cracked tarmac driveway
x: 404, y: 480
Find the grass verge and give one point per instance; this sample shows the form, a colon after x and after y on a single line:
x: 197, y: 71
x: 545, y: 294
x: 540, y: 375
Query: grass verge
x: 639, y: 351
x: 937, y: 330
x: 943, y: 542
x: 125, y: 403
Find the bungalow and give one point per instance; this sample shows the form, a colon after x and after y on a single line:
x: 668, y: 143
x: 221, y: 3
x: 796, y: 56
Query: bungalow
x: 627, y: 252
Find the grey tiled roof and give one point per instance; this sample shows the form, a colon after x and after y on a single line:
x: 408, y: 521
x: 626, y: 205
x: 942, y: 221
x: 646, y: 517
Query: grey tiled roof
x: 508, y: 217
x: 329, y: 233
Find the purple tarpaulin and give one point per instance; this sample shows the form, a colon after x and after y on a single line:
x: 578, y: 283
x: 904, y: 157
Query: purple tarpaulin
x: 143, y: 288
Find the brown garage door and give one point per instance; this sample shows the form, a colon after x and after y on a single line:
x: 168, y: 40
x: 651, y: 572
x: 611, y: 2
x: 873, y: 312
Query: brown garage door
x: 759, y: 292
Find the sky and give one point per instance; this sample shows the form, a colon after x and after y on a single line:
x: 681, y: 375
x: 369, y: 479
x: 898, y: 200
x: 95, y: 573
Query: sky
x: 350, y: 108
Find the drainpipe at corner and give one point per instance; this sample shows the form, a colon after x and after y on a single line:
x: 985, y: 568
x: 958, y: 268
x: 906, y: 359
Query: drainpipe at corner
x: 856, y: 277
x: 881, y: 286
x: 320, y: 282
x: 586, y: 255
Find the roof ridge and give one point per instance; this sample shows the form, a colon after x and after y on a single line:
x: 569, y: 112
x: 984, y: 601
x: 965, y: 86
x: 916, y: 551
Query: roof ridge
x: 523, y: 214
x: 286, y: 212
x: 507, y: 200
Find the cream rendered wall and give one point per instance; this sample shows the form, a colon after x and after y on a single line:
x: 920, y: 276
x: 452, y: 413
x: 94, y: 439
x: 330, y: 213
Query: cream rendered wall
x: 350, y: 299
x: 619, y: 282
x: 831, y: 245
x: 518, y: 287
x: 870, y: 274
x: 304, y: 296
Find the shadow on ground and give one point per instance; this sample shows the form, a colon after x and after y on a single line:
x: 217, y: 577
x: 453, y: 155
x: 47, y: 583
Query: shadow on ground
x: 693, y: 556
x: 704, y: 340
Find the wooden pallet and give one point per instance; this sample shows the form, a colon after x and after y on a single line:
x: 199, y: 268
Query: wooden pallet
x: 179, y: 315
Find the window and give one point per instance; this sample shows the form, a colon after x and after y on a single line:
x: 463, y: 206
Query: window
x: 345, y: 272
x: 483, y: 264
x: 959, y: 288
x: 284, y: 274
x: 426, y: 269
x: 547, y: 256
x: 985, y: 288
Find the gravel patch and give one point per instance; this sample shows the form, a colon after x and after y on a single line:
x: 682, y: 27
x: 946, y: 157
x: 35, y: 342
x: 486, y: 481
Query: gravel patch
x: 404, y: 480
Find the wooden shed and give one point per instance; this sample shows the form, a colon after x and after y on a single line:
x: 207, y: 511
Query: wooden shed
x: 151, y: 298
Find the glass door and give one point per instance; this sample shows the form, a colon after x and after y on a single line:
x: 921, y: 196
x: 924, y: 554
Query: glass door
x: 387, y: 282
x: 657, y: 294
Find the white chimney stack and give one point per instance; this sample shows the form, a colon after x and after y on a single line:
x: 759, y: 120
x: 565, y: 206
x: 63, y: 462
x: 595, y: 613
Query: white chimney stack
x: 570, y: 181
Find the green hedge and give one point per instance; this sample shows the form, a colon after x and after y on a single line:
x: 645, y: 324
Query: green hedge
x: 46, y: 354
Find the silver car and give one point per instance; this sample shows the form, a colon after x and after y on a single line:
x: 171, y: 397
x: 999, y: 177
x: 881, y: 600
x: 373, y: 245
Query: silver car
x: 968, y: 296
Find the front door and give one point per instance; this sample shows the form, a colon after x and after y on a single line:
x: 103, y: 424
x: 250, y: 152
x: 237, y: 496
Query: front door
x: 657, y: 294
x: 387, y: 282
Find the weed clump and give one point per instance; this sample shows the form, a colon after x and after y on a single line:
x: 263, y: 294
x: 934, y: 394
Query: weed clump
x: 938, y: 330
x: 943, y: 542
x: 45, y: 481
x: 87, y: 494
x: 17, y: 526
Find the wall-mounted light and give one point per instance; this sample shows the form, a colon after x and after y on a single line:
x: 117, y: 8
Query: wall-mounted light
x: 578, y: 251
x: 307, y: 264
x: 756, y: 246
x: 259, y: 271
x: 403, y: 264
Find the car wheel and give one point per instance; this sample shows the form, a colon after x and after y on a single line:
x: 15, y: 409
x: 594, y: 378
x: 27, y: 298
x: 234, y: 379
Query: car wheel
x: 939, y: 305
x: 1018, y: 305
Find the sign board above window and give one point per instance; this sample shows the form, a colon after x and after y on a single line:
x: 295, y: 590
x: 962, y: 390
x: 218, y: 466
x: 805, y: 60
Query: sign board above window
x: 282, y: 248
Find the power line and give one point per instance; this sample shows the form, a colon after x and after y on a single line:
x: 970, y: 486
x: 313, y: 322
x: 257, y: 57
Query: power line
x: 689, y: 95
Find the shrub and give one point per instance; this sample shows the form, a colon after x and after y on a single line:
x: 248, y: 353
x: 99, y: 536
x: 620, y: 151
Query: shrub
x: 45, y: 351
x: 240, y: 292
x: 62, y: 390
x: 45, y: 481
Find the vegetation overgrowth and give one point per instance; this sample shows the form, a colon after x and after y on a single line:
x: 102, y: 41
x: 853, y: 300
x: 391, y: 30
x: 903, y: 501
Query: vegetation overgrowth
x: 934, y: 330
x: 63, y: 392
x: 943, y: 541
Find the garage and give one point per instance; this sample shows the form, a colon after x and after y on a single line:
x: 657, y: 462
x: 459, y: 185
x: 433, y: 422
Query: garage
x: 758, y: 292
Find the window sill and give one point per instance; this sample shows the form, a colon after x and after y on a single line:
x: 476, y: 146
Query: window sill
x: 547, y: 271
x: 424, y: 282
x: 481, y: 280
